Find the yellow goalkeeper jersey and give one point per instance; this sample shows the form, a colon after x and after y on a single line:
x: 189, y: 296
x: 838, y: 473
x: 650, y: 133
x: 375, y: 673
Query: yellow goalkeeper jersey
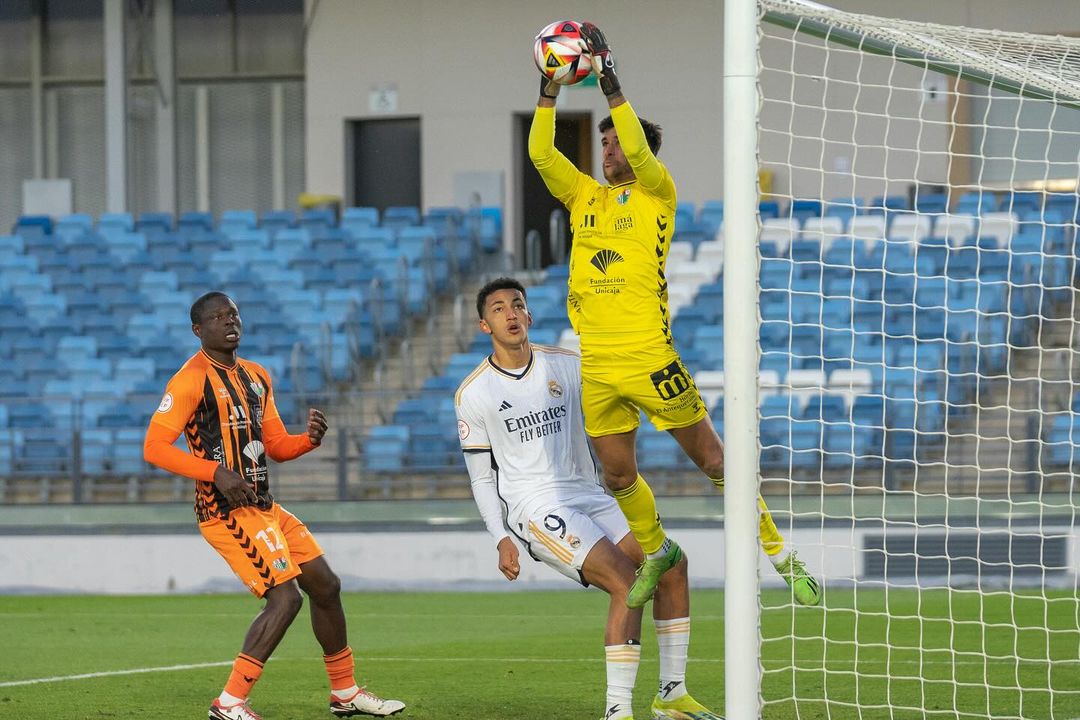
x: 621, y: 235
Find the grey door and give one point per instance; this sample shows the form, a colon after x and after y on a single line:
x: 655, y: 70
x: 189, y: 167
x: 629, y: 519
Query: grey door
x: 385, y: 167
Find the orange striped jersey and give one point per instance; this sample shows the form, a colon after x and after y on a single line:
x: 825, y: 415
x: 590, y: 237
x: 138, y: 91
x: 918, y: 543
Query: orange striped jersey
x: 228, y: 417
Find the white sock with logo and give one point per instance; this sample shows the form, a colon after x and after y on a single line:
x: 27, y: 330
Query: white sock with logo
x: 673, y: 637
x: 622, y: 667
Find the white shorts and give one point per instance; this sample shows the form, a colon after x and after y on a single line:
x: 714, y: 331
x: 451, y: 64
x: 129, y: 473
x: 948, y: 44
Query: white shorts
x: 561, y: 534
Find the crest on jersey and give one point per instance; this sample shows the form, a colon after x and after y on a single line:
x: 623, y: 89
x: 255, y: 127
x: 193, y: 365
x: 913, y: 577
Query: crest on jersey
x: 462, y: 429
x: 166, y: 403
x: 281, y: 564
x: 554, y: 389
x: 573, y: 541
x: 257, y: 388
x: 623, y: 196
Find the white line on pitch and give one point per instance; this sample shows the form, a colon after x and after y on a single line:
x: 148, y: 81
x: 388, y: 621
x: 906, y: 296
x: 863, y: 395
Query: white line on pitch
x: 775, y: 667
x: 110, y: 673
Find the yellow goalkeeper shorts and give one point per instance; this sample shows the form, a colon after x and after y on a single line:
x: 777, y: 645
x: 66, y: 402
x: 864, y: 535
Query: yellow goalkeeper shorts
x: 619, y: 382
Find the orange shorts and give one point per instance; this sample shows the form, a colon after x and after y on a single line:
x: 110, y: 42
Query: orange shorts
x: 263, y: 547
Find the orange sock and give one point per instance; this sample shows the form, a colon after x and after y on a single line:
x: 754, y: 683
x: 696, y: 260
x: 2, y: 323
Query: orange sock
x: 245, y: 671
x: 340, y: 668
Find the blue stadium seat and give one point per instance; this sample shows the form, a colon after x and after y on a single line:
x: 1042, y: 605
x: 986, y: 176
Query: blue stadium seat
x: 73, y: 225
x: 290, y: 242
x: 931, y: 202
x: 869, y: 411
x: 385, y: 447
x: 194, y: 223
x: 711, y: 215
x: 803, y: 208
x: 883, y: 203
x: 274, y: 221
x: 461, y: 364
x: 976, y: 203
x: 439, y: 385
x: 11, y: 246
x: 414, y: 411
x: 152, y: 223
x: 846, y: 444
x: 400, y: 216
x: 805, y: 251
x: 373, y: 239
x: 127, y: 453
x: 27, y: 415
x: 416, y: 243
x: 358, y: 219
x: 237, y: 221
x: 318, y: 220
x: 805, y: 443
x: 769, y: 209
x: 844, y: 208
x: 657, y: 450
x: 252, y: 240
x: 485, y: 225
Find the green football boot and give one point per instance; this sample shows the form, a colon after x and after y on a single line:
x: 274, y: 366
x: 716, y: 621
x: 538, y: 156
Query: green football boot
x: 685, y: 708
x: 648, y: 575
x: 804, y: 586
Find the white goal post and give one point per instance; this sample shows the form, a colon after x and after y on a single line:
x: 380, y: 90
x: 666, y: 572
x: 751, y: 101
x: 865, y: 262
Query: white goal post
x: 905, y: 395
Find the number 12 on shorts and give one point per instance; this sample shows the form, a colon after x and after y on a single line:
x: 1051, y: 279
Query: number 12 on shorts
x: 274, y: 544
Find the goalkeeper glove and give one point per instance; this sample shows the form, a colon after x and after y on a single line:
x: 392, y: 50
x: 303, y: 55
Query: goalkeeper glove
x: 719, y: 483
x: 548, y: 89
x: 602, y: 60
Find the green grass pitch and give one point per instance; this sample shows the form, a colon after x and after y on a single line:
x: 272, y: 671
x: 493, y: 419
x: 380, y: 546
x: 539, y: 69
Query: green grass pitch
x: 504, y: 656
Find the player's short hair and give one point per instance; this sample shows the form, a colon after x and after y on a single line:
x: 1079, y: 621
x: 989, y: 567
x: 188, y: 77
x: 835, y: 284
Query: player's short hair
x: 503, y: 283
x: 199, y: 305
x: 654, y: 134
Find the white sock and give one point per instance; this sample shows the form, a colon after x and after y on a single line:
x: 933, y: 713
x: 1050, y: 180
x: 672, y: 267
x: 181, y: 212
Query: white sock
x: 622, y: 666
x: 779, y: 558
x: 228, y: 700
x: 664, y: 550
x: 344, y: 694
x: 673, y: 637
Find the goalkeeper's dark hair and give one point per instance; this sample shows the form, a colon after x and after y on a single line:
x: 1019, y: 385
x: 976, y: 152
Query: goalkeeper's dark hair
x: 199, y: 305
x: 654, y: 134
x: 503, y: 283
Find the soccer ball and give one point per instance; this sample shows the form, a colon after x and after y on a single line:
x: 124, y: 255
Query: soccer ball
x: 562, y: 54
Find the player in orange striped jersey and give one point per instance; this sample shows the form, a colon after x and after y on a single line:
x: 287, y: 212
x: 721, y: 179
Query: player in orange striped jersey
x: 523, y: 435
x: 224, y: 406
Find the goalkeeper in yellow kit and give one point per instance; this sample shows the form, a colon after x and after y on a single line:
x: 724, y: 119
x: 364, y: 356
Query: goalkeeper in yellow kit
x: 618, y: 304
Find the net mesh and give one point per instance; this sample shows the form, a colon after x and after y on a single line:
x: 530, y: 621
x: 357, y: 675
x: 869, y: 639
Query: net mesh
x: 918, y: 355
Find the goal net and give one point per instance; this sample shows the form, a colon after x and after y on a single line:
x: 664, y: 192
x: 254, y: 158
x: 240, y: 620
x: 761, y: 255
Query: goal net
x: 917, y: 365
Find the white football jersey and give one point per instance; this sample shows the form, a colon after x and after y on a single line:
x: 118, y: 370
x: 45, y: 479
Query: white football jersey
x: 531, y: 423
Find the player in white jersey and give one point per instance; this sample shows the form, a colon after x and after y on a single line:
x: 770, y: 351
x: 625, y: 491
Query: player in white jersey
x: 533, y: 475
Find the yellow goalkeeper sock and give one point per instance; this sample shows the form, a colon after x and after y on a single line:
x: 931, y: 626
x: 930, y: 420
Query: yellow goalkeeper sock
x: 772, y: 542
x: 639, y: 507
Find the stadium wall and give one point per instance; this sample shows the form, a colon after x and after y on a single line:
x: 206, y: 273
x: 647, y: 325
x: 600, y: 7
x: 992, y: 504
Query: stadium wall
x: 182, y: 562
x: 465, y: 68
x: 442, y: 546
